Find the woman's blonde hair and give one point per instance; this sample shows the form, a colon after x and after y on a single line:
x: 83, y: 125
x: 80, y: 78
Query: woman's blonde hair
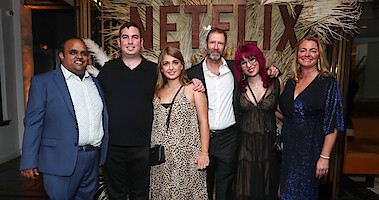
x: 324, y: 64
x: 162, y: 80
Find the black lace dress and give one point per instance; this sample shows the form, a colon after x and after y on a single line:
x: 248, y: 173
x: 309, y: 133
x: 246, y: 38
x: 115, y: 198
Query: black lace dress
x: 258, y: 165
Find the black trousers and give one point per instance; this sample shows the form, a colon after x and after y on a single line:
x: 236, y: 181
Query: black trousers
x: 223, y: 162
x: 127, y: 169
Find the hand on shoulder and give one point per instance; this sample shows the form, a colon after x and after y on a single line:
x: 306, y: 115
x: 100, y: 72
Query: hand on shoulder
x: 198, y: 85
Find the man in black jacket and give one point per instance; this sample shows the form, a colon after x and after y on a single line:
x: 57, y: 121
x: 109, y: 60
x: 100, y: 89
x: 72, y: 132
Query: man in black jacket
x: 218, y: 78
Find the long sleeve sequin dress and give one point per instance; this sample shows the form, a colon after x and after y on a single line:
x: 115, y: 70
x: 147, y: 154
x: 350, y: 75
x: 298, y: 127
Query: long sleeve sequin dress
x: 258, y: 165
x: 316, y: 112
x: 178, y: 177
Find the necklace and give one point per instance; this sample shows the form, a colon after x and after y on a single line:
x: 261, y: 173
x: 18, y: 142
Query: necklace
x: 256, y: 86
x: 170, y: 89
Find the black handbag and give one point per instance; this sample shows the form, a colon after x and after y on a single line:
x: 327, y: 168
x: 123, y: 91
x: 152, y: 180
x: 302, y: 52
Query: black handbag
x: 157, y: 155
x: 277, y: 147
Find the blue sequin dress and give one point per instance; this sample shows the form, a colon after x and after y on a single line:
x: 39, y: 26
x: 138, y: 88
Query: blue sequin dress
x: 316, y: 112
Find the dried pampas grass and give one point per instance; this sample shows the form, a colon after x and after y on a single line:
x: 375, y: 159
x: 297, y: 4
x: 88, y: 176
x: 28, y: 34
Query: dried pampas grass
x: 322, y: 18
x: 100, y: 56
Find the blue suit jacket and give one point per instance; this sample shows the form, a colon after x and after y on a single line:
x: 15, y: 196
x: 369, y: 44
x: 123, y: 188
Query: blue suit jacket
x: 51, y: 130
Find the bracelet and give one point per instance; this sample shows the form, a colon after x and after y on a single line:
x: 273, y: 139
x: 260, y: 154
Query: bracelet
x: 279, y: 72
x: 204, y: 153
x: 326, y: 157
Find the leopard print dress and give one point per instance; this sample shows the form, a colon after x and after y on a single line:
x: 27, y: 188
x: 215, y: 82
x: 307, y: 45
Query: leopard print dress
x: 178, y: 177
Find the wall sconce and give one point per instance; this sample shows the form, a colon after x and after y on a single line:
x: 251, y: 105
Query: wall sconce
x: 9, y: 13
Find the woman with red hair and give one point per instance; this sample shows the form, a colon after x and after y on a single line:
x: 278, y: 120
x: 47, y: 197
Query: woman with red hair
x: 258, y: 165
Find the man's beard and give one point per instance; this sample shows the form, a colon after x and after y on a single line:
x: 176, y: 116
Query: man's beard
x: 214, y: 58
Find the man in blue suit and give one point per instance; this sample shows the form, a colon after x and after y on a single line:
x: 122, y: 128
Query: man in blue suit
x: 66, y: 127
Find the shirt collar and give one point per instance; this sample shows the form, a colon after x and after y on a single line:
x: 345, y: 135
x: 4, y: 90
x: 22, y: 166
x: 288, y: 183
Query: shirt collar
x: 224, y: 64
x: 122, y: 64
x: 67, y: 74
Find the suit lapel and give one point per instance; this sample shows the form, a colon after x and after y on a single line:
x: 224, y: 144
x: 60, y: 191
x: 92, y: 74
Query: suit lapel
x: 202, y: 78
x: 231, y: 67
x: 200, y: 75
x: 62, y: 86
x: 101, y: 93
x: 98, y: 88
x: 201, y: 72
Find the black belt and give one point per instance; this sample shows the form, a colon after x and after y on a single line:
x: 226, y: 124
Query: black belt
x: 215, y: 133
x: 87, y: 148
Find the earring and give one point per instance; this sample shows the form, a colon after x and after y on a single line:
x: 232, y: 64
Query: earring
x: 298, y: 65
x: 318, y: 65
x: 243, y: 76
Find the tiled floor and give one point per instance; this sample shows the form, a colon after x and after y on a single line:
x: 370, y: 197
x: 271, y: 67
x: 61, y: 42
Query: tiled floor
x: 14, y: 187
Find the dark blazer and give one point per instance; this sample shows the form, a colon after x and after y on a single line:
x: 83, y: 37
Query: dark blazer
x: 197, y: 72
x: 51, y: 131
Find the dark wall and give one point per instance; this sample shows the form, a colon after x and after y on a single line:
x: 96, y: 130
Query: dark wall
x: 50, y: 28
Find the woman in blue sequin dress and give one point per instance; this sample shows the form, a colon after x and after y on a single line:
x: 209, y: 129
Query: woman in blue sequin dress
x: 312, y: 108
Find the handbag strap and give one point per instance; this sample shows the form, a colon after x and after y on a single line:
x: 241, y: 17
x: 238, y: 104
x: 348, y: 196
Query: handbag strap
x: 259, y: 108
x: 169, y: 111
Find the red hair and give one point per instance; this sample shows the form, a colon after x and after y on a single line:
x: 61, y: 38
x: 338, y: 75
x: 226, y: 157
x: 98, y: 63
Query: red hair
x: 247, y: 51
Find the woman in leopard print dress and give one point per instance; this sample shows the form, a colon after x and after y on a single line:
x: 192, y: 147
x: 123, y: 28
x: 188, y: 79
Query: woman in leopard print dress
x: 186, y: 145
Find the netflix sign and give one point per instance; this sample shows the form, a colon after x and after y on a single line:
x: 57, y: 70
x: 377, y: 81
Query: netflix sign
x: 288, y: 35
